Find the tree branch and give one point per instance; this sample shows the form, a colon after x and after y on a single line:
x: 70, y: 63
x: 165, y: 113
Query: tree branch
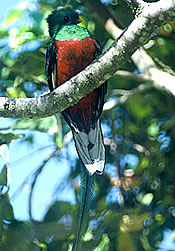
x: 140, y: 30
x: 131, y: 76
x: 125, y: 95
x: 142, y: 60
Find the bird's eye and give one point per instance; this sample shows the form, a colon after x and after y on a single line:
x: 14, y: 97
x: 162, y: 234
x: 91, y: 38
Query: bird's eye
x: 66, y: 18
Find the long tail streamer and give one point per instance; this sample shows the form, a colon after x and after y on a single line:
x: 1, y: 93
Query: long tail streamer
x: 86, y: 197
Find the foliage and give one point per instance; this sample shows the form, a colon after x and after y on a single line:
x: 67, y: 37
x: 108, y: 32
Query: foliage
x: 135, y: 198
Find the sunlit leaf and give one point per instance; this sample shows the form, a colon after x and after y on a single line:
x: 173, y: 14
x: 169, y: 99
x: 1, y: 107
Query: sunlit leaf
x: 159, y: 218
x: 104, y: 244
x: 15, y: 93
x: 153, y: 130
x: 132, y: 223
x: 41, y: 245
x: 144, y: 163
x: 147, y: 198
x: 11, y: 17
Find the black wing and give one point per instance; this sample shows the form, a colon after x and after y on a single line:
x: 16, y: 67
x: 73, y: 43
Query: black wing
x: 50, y: 66
x: 102, y: 88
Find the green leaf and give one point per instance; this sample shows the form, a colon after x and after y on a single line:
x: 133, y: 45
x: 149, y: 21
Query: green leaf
x: 153, y: 130
x: 29, y: 64
x: 125, y: 242
x: 144, y: 163
x: 104, y: 244
x: 6, y: 138
x: 15, y: 93
x: 58, y: 134
x: 3, y: 33
x: 3, y: 176
x: 6, y: 210
x: 147, y: 198
x: 41, y: 245
x: 51, y: 125
x: 43, y: 124
x: 133, y: 223
x: 138, y: 106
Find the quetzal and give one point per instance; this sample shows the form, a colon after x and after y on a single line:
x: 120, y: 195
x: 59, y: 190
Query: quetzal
x: 70, y: 49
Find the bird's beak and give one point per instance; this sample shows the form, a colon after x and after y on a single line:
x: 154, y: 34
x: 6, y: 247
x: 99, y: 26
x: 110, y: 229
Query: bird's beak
x: 80, y: 20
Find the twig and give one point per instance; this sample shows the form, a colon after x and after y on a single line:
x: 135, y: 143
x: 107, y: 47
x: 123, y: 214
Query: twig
x: 66, y: 140
x: 36, y: 174
x: 132, y: 76
x: 26, y: 181
x: 125, y: 95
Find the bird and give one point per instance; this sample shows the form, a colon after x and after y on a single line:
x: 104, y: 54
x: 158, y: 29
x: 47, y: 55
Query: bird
x: 70, y: 49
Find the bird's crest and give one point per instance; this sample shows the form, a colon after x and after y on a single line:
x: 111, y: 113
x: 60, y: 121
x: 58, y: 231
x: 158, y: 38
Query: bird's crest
x: 60, y: 17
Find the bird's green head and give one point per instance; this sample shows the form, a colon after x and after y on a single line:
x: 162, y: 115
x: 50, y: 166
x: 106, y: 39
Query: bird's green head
x: 61, y: 17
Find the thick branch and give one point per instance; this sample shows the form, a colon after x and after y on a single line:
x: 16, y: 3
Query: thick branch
x: 95, y: 74
x: 141, y: 59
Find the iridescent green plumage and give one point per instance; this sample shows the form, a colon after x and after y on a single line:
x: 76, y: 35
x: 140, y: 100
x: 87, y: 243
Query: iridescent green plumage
x: 68, y: 32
